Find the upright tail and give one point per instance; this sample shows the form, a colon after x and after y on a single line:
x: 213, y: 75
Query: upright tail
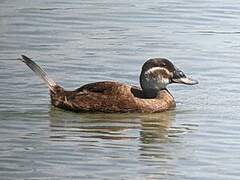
x: 39, y: 72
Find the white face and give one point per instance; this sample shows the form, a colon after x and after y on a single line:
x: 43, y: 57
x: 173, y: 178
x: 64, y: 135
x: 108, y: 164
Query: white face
x: 157, y: 78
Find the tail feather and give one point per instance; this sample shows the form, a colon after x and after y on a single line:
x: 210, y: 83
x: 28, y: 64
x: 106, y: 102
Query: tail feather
x: 39, y: 72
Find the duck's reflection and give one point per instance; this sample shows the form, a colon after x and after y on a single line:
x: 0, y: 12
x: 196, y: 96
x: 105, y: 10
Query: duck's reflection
x: 154, y: 138
x: 152, y: 127
x: 155, y: 127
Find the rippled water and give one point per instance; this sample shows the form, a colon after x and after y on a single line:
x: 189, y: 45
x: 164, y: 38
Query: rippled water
x: 78, y: 42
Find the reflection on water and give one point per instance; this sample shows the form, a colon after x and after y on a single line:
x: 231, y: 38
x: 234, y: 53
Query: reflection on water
x: 153, y: 128
x: 148, y: 130
x: 140, y: 140
x: 79, y: 42
x: 114, y: 126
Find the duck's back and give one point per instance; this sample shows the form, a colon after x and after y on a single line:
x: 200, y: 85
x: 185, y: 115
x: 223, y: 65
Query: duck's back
x: 108, y: 97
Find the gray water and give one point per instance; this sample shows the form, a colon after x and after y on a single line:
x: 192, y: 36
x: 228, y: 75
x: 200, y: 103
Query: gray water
x: 79, y: 42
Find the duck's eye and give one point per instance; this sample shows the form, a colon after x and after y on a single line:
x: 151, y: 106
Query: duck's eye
x: 181, y: 74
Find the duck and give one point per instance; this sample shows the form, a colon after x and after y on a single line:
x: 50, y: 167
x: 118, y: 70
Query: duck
x: 114, y: 97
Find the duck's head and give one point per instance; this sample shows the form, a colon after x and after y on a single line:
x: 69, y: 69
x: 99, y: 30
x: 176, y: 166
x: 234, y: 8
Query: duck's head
x: 157, y: 73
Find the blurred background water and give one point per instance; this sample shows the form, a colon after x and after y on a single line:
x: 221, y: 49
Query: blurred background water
x: 79, y: 42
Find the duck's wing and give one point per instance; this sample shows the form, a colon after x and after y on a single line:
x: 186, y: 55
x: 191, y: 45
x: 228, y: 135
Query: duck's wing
x: 100, y: 96
x: 99, y: 87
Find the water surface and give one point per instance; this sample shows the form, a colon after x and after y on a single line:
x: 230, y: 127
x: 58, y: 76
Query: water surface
x: 79, y: 42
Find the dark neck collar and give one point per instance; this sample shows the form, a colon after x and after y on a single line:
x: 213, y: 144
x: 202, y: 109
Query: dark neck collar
x: 152, y: 93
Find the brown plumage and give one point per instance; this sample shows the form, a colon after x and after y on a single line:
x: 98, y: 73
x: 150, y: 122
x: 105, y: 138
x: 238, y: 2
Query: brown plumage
x: 109, y: 96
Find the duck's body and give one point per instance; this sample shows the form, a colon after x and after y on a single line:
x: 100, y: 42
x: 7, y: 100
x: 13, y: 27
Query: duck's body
x: 110, y: 96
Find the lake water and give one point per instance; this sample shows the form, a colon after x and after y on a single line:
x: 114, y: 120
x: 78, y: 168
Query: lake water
x: 79, y: 42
